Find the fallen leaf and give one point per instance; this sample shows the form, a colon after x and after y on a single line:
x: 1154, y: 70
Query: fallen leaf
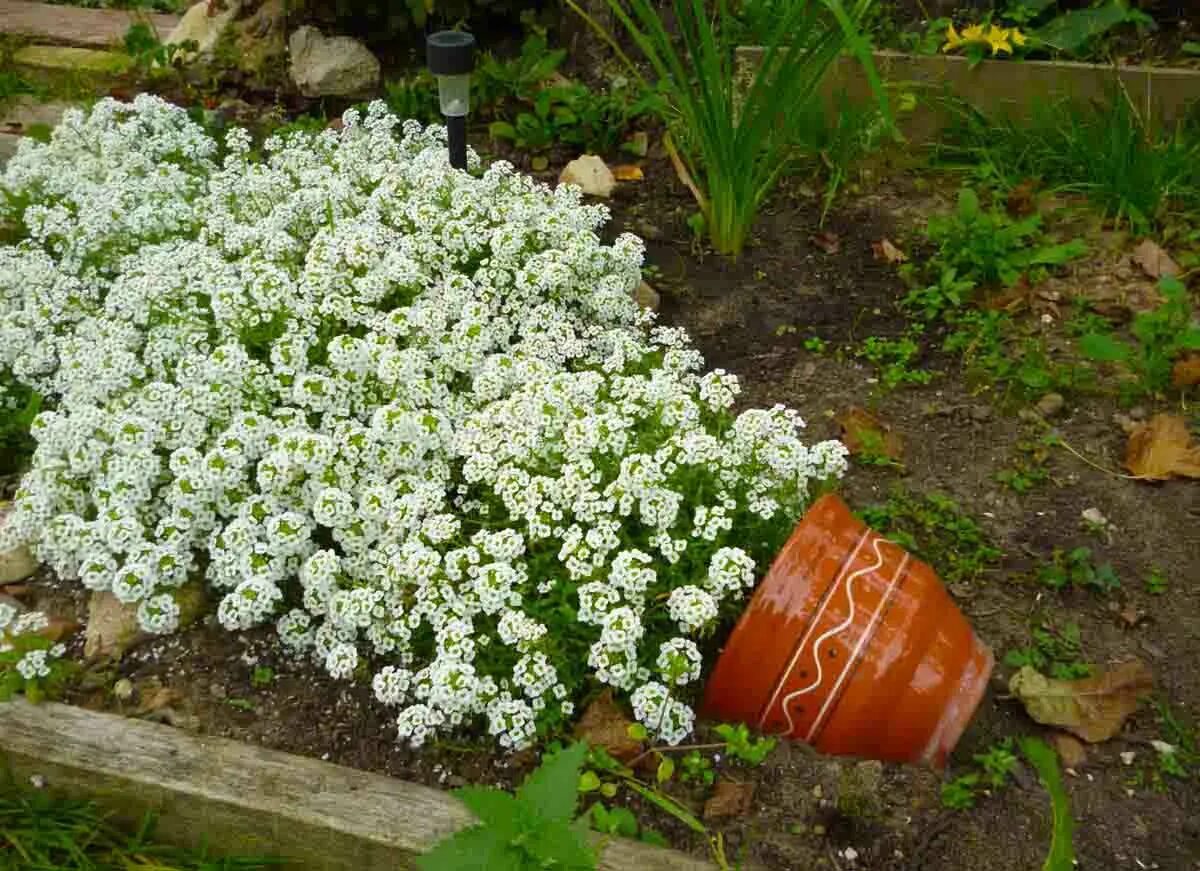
x: 827, y: 241
x: 605, y: 725
x: 863, y: 433
x: 1163, y: 447
x: 627, y: 172
x: 59, y: 628
x: 1186, y: 371
x: 1155, y: 262
x: 729, y: 800
x: 1020, y: 202
x: 1093, y: 708
x: 885, y: 250
x: 1070, y: 749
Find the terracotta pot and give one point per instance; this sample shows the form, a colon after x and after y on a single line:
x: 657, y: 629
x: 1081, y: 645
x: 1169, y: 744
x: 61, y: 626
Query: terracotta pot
x: 852, y: 645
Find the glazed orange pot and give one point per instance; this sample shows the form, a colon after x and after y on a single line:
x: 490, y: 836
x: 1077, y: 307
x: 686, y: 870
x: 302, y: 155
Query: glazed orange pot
x: 852, y: 645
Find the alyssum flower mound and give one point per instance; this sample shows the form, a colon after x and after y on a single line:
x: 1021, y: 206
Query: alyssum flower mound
x: 408, y: 414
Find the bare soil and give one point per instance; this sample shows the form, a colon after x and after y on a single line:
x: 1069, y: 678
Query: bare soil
x: 811, y: 811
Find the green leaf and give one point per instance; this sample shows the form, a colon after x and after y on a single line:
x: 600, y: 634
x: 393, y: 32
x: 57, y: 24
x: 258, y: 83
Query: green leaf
x: 1062, y: 852
x: 493, y: 807
x: 589, y: 781
x: 666, y: 769
x: 1104, y: 348
x: 475, y: 849
x: 560, y: 846
x: 608, y: 790
x: 502, y: 130
x: 668, y: 804
x: 1056, y: 255
x: 1192, y: 48
x: 1072, y: 30
x: 1189, y: 340
x: 637, y: 732
x: 552, y: 790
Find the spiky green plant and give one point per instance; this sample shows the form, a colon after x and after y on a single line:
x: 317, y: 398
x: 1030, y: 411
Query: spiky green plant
x: 734, y: 139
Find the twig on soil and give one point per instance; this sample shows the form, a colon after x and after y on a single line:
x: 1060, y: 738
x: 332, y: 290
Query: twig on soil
x: 666, y: 748
x: 1061, y: 442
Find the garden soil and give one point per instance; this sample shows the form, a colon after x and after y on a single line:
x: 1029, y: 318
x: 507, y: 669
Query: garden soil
x: 752, y: 317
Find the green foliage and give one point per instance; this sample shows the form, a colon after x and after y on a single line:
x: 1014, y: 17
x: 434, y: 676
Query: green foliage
x: 1029, y: 468
x: 41, y: 832
x: 262, y: 676
x: 498, y: 83
x: 19, y: 405
x: 529, y: 830
x: 1076, y: 569
x: 1056, y: 652
x: 987, y: 247
x: 1075, y: 30
x: 697, y: 768
x: 415, y: 96
x: 934, y: 528
x: 1102, y: 150
x: 577, y: 116
x: 741, y: 746
x: 36, y: 689
x: 896, y: 360
x: 149, y: 53
x: 1182, y: 761
x: 991, y: 771
x: 735, y: 138
x: 1044, y: 760
x: 1156, y: 582
x: 1159, y: 336
x: 621, y: 822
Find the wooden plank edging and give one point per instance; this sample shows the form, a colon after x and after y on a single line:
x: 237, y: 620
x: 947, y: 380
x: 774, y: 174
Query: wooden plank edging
x: 239, y: 798
x: 1162, y: 95
x: 76, y: 25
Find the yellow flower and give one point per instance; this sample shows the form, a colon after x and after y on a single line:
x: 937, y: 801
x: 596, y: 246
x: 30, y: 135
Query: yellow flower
x: 997, y: 39
x: 953, y: 40
x: 1018, y: 37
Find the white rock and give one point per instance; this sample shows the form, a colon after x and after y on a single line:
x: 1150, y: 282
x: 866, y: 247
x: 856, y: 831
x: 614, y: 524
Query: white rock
x: 17, y: 563
x: 112, y: 626
x: 334, y: 66
x: 197, y: 24
x: 591, y: 174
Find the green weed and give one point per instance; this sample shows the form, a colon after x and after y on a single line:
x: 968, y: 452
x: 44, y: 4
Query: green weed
x: 936, y: 529
x: 1159, y: 337
x: 1054, y: 651
x: 1076, y: 568
x: 992, y: 770
x: 896, y: 360
x: 532, y: 828
x: 1156, y: 582
x: 262, y: 676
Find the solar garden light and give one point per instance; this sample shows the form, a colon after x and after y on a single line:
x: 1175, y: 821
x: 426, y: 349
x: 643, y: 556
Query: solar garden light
x: 451, y: 55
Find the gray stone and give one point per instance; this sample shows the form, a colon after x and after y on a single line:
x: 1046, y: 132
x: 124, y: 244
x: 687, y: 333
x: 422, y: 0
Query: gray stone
x: 335, y: 66
x: 590, y: 174
x: 112, y: 626
x: 16, y: 564
x: 1050, y: 404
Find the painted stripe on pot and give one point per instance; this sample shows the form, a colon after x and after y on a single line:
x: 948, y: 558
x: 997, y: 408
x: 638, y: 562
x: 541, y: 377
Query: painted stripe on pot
x: 867, y: 635
x: 813, y: 623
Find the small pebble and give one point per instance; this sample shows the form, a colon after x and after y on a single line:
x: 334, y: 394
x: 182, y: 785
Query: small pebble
x: 37, y: 781
x: 1128, y: 756
x: 850, y: 854
x: 981, y: 412
x: 1050, y: 404
x: 1138, y: 412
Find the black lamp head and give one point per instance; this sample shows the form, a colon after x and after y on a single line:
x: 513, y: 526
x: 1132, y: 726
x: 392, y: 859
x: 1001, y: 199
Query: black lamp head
x: 450, y: 52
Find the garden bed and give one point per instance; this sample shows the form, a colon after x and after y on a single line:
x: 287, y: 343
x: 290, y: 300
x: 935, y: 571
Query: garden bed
x: 755, y: 317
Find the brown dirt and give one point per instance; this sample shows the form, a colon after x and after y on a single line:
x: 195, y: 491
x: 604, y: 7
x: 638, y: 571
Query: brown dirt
x: 957, y: 438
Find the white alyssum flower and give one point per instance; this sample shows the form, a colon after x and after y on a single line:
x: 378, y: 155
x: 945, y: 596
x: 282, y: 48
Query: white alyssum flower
x: 408, y: 415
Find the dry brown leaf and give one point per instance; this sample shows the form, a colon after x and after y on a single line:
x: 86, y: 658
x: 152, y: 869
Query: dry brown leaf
x: 605, y: 725
x: 1021, y: 202
x: 863, y: 433
x: 1093, y: 708
x: 1186, y: 371
x: 1163, y: 447
x: 627, y: 172
x: 1155, y: 262
x: 59, y: 628
x: 885, y: 250
x: 829, y: 242
x: 1131, y: 616
x: 729, y: 800
x: 1070, y: 750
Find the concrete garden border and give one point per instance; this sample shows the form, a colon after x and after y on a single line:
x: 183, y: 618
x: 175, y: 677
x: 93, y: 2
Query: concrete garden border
x: 237, y: 798
x: 1160, y: 94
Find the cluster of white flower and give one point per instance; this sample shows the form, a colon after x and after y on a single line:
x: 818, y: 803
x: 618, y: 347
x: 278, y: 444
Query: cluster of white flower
x: 33, y: 663
x: 410, y: 414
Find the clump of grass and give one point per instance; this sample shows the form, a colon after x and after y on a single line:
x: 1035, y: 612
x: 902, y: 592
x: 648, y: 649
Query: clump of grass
x: 1104, y: 150
x: 40, y: 832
